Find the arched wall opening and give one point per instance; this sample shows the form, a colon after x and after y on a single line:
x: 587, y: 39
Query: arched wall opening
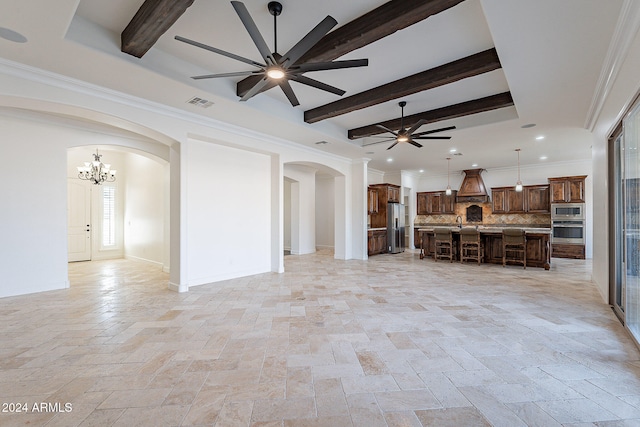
x: 36, y: 164
x: 313, y: 208
x: 125, y: 218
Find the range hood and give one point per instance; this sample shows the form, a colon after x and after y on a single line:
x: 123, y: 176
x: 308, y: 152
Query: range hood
x: 472, y: 188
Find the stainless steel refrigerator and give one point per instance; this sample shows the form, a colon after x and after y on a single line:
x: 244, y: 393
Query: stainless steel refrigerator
x: 395, y: 228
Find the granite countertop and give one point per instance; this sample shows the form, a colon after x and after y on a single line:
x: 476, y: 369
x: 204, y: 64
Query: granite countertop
x: 376, y: 229
x: 488, y: 229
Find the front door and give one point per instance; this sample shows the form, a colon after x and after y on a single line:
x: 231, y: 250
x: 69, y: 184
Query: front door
x: 79, y: 220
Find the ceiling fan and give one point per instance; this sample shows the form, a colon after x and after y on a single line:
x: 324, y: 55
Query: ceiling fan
x: 408, y: 135
x: 279, y: 69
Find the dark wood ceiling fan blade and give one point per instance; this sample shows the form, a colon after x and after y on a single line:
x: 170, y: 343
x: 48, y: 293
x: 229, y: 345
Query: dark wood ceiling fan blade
x: 387, y: 129
x: 316, y: 84
x: 434, y: 131
x: 333, y: 65
x: 256, y: 88
x: 236, y: 74
x: 392, y: 145
x: 412, y: 142
x: 308, y: 41
x: 220, y: 52
x: 415, y: 127
x: 253, y: 31
x: 430, y: 137
x: 288, y: 91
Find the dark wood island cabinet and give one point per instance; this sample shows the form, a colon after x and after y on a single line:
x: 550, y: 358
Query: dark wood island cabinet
x: 538, y: 246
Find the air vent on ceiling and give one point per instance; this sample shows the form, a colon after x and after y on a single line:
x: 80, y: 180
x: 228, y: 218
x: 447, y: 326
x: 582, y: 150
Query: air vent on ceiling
x: 321, y: 142
x: 199, y: 102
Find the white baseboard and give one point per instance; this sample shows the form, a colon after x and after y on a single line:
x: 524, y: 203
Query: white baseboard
x: 178, y: 288
x: 148, y: 261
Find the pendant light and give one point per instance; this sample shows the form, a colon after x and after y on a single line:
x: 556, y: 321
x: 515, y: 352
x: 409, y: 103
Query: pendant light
x: 448, y: 190
x: 518, y: 183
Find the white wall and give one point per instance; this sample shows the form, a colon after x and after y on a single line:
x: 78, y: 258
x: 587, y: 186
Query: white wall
x: 228, y: 224
x: 621, y: 84
x: 287, y: 213
x: 303, y: 208
x: 33, y: 211
x: 145, y: 211
x: 325, y: 211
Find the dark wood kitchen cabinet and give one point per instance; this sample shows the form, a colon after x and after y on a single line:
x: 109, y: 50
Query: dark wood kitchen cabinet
x: 372, y: 200
x: 376, y: 242
x: 537, y: 198
x: 532, y: 199
x: 567, y: 189
x: 386, y: 193
x: 499, y: 200
x: 435, y: 202
x: 507, y: 200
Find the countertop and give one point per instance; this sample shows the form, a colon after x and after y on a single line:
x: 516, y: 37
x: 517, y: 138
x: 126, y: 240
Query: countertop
x: 489, y: 229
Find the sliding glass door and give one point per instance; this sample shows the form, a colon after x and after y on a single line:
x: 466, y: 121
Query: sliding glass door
x: 631, y: 222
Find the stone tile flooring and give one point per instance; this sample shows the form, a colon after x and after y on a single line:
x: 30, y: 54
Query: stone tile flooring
x: 394, y: 341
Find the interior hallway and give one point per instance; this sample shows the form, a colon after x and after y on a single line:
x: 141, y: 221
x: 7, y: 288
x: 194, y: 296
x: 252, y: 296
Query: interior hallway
x: 391, y: 341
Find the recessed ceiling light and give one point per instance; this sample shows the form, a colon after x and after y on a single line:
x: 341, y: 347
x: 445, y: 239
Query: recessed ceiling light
x: 453, y: 150
x: 421, y: 170
x: 12, y: 36
x: 475, y: 165
x: 539, y: 138
x: 529, y: 125
x: 543, y: 157
x: 389, y: 160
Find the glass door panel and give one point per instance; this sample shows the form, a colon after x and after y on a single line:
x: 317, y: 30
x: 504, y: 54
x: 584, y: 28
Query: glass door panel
x: 631, y: 189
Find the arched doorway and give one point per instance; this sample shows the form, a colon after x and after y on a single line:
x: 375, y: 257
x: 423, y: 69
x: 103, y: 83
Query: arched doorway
x: 312, y: 197
x: 126, y: 218
x: 40, y: 136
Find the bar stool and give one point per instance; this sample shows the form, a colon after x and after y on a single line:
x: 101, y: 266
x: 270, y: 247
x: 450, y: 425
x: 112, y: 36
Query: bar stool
x: 471, y: 247
x: 514, y: 241
x: 444, y: 246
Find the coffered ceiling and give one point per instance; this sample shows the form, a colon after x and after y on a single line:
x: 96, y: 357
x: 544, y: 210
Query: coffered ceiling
x: 527, y: 62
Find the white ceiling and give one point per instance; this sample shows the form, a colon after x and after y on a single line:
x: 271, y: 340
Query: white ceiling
x: 551, y: 53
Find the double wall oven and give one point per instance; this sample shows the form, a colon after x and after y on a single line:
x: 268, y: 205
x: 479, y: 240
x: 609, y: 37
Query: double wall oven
x: 567, y: 223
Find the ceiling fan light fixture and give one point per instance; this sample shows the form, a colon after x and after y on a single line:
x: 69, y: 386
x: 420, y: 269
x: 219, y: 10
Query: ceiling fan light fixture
x: 275, y: 73
x: 402, y: 138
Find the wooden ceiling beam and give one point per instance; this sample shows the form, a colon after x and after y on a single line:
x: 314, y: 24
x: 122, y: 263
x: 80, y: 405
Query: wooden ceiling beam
x: 374, y: 25
x: 475, y: 106
x: 151, y: 21
x: 470, y: 66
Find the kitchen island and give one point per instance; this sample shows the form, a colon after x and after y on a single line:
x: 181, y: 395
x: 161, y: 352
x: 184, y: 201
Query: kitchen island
x: 538, y: 244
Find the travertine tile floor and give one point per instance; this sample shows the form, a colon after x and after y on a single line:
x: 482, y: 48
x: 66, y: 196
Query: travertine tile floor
x: 394, y: 341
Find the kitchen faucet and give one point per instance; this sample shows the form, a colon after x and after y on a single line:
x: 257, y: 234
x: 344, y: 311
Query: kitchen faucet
x: 459, y: 222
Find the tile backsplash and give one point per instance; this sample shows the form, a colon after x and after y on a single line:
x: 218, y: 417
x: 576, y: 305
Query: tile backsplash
x: 488, y: 218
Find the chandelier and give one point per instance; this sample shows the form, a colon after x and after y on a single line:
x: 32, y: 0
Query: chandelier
x: 96, y: 171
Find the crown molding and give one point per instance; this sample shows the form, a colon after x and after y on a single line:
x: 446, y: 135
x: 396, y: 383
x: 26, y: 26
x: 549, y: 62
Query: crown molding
x: 48, y: 78
x: 625, y: 32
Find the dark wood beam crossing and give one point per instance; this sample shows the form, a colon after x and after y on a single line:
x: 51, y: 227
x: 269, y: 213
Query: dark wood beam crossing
x: 151, y: 21
x: 480, y: 105
x: 470, y: 66
x: 374, y: 25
